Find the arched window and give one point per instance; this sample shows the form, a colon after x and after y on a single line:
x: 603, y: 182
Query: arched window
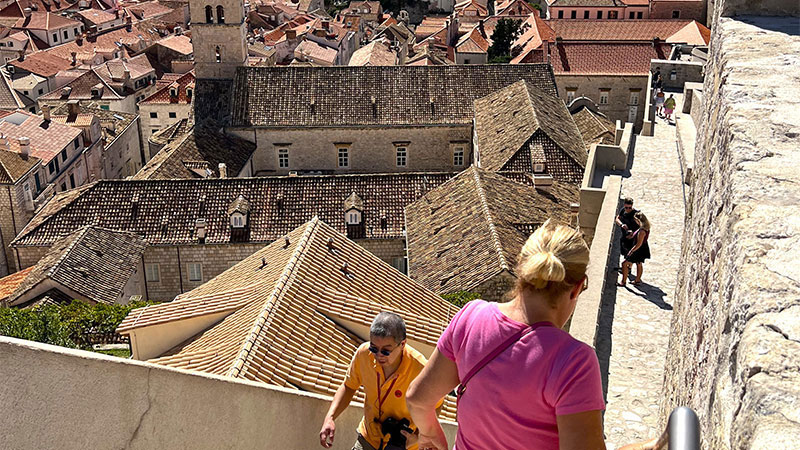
x: 220, y: 14
x: 209, y: 14
x: 219, y: 57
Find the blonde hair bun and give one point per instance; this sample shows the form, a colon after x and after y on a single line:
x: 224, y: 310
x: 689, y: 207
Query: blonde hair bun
x: 553, y: 256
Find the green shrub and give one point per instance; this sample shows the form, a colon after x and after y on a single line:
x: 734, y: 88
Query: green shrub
x: 68, y: 325
x: 460, y: 298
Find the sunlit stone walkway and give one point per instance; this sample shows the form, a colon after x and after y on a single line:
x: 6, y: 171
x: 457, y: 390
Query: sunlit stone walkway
x: 635, y: 321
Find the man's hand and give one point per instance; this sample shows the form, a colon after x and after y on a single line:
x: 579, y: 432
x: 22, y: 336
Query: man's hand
x: 327, y: 432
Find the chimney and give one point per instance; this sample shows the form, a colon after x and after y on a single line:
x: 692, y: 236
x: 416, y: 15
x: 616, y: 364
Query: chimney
x: 326, y: 24
x: 546, y: 51
x: 574, y: 210
x: 24, y: 146
x: 4, y: 142
x: 21, y: 54
x: 79, y: 39
x: 543, y: 181
x: 73, y: 107
x: 223, y: 170
x: 46, y: 112
x: 126, y: 75
x: 74, y: 56
x: 291, y: 35
x: 27, y: 12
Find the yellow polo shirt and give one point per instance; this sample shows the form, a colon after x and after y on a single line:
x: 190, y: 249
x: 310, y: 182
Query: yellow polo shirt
x: 384, y: 397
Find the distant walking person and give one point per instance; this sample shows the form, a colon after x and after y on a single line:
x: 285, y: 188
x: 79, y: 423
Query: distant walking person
x: 669, y: 107
x: 523, y: 382
x: 626, y: 221
x: 639, y: 252
x: 660, y: 103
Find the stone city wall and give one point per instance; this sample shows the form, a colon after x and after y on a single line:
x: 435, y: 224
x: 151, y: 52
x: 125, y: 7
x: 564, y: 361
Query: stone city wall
x: 734, y: 353
x: 619, y: 94
x: 72, y: 399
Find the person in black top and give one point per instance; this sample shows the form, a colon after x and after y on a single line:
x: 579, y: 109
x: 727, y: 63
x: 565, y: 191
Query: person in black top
x: 656, y: 75
x: 626, y: 221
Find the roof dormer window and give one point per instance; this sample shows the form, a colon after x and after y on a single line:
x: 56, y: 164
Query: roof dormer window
x: 239, y: 210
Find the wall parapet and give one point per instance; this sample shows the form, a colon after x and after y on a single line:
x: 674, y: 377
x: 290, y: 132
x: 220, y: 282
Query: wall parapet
x: 72, y: 399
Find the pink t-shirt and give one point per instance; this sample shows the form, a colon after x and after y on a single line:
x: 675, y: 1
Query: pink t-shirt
x: 512, y: 403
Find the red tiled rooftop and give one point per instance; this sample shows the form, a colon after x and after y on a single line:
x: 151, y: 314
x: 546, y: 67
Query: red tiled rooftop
x: 615, y: 30
x: 162, y: 96
x: 579, y: 58
x: 47, y: 139
x: 10, y: 283
x: 179, y: 43
x: 42, y: 63
x: 45, y: 21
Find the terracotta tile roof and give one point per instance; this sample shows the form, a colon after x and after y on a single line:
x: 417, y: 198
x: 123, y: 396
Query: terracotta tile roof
x: 507, y: 8
x: 315, y: 52
x: 612, y: 58
x: 178, y: 43
x: 112, y: 123
x: 426, y: 57
x: 96, y: 16
x: 92, y: 261
x: 42, y: 63
x: 616, y: 30
x: 275, y: 311
x: 13, y: 166
x: 376, y: 53
x: 140, y: 36
x: 45, y: 21
x: 81, y: 89
x: 280, y: 204
x: 164, y: 97
x: 693, y: 33
x: 47, y: 138
x: 10, y: 283
x: 9, y: 99
x: 147, y: 10
x: 473, y: 227
x: 472, y: 42
x: 281, y: 96
x: 78, y: 120
x: 198, y: 144
x: 175, y: 131
x: 595, y: 128
x: 506, y: 122
x: 586, y: 3
x: 114, y: 70
x: 429, y: 27
x: 480, y: 9
x: 637, y: 2
x: 17, y: 8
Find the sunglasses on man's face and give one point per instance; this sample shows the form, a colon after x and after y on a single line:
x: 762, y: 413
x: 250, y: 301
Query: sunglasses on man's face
x: 628, y: 208
x: 383, y: 352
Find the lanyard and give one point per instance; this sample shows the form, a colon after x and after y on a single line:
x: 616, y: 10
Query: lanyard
x: 383, y: 399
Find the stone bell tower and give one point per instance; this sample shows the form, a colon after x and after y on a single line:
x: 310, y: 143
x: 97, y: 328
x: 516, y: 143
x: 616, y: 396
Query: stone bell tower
x: 219, y: 37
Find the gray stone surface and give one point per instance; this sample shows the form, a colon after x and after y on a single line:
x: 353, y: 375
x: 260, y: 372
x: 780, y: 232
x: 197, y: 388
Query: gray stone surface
x: 734, y: 352
x: 634, y: 324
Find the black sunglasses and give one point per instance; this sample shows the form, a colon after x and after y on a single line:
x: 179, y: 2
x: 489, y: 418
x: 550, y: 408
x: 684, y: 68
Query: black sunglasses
x: 375, y: 350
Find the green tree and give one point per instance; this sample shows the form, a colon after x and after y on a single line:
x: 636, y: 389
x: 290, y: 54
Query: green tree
x: 505, y: 33
x: 460, y: 298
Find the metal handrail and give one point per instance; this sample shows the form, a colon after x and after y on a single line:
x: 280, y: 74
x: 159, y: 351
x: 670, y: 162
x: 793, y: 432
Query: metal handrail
x: 682, y: 432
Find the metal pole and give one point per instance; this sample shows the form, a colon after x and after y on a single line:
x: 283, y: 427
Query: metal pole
x: 683, y: 429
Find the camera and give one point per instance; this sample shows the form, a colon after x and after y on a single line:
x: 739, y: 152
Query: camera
x: 393, y: 428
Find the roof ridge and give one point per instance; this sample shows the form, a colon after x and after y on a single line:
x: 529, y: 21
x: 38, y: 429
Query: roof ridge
x: 280, y: 286
x: 85, y: 188
x: 492, y: 229
x: 78, y: 236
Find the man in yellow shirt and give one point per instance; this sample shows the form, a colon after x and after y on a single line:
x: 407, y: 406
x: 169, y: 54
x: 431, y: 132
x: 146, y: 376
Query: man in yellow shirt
x: 385, y: 367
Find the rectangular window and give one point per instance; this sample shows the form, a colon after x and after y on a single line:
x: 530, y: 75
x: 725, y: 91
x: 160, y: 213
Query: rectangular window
x: 154, y: 131
x: 586, y: 14
x: 51, y: 168
x: 63, y: 186
x: 41, y: 91
x: 154, y: 115
x: 604, y: 97
x: 612, y: 14
x: 72, y: 181
x: 66, y: 34
x: 561, y: 14
x: 634, y: 97
x: 75, y: 31
x: 639, y: 15
x: 55, y: 37
x: 173, y: 115
x: 631, y: 15
x: 573, y: 14
x: 400, y: 264
x: 195, y: 271
x: 152, y: 273
x: 283, y: 158
x: 63, y: 155
x: 38, y: 182
x: 599, y: 14
x: 676, y: 14
x: 458, y: 156
x: 77, y: 143
x: 344, y: 157
x: 402, y: 154
x: 570, y: 96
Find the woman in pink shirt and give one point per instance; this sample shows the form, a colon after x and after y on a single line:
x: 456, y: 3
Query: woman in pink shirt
x: 525, y: 383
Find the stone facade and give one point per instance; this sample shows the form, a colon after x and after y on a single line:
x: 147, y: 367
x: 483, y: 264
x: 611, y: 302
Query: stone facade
x: 671, y: 9
x: 370, y: 150
x: 498, y: 288
x: 734, y: 353
x: 13, y: 218
x: 123, y: 155
x: 390, y: 251
x: 618, y: 91
x: 219, y: 37
x: 166, y: 114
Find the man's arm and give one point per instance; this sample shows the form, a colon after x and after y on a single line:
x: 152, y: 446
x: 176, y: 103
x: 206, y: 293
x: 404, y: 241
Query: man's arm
x: 340, y: 402
x: 437, y: 379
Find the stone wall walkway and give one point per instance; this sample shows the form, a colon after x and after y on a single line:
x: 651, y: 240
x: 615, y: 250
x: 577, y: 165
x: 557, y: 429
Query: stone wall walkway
x: 634, y: 328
